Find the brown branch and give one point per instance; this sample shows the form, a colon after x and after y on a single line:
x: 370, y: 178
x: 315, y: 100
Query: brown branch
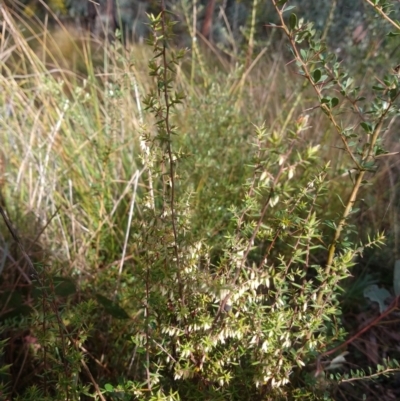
x: 207, y: 24
x: 169, y: 151
x: 394, y: 305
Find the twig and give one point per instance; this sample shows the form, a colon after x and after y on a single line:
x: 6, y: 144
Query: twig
x: 394, y: 305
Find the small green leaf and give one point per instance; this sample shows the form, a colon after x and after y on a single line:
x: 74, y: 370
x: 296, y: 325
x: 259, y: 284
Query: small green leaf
x: 334, y: 101
x: 393, y: 94
x: 317, y: 75
x: 348, y: 82
x: 288, y: 8
x: 293, y: 21
x: 366, y: 126
x: 392, y: 34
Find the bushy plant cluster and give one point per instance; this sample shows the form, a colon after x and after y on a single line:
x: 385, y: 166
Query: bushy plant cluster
x: 183, y: 253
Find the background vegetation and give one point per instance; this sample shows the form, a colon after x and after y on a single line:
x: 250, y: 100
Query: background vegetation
x: 200, y: 217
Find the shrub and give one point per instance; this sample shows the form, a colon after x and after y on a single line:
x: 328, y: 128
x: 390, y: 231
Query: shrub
x: 186, y: 253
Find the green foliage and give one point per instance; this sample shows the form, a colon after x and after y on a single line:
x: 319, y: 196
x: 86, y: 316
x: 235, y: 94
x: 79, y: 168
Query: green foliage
x: 191, y: 254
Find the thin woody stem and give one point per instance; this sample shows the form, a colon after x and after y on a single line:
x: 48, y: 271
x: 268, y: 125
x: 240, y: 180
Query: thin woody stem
x: 359, y: 165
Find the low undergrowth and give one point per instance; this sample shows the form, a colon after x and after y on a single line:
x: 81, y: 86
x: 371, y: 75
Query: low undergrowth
x: 178, y: 230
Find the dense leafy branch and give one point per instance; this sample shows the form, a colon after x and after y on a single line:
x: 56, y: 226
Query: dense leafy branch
x: 312, y: 65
